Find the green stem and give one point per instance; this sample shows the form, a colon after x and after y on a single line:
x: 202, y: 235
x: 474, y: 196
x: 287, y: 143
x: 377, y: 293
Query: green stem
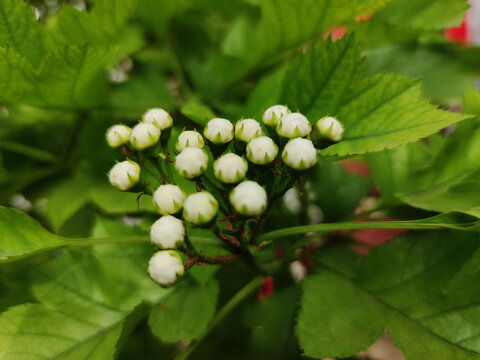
x: 241, y: 295
x: 28, y: 151
x: 423, y: 224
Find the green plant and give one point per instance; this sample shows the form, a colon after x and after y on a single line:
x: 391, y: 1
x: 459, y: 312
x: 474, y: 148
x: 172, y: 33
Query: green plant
x: 264, y: 241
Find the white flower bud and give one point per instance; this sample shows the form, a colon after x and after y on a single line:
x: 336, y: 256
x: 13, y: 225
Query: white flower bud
x: 249, y: 198
x: 330, y: 128
x: 298, y: 271
x: 167, y: 232
x: 191, y: 162
x: 158, y: 117
x: 273, y: 114
x: 262, y: 150
x: 168, y: 199
x: 299, y: 154
x: 200, y: 208
x: 165, y: 267
x: 118, y: 135
x: 293, y: 125
x: 247, y: 129
x: 144, y: 136
x: 124, y: 175
x: 230, y: 168
x: 189, y: 138
x: 219, y: 131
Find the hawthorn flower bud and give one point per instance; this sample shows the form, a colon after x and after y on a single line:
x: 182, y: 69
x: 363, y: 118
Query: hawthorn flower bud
x: 247, y: 129
x: 158, y: 117
x: 299, y: 154
x: 261, y: 150
x: 273, y: 114
x: 191, y: 162
x: 165, y: 267
x: 118, y: 135
x: 200, y: 208
x: 230, y: 168
x: 144, y: 136
x: 124, y: 175
x: 293, y: 125
x: 248, y: 198
x: 189, y: 138
x: 219, y: 131
x: 168, y: 199
x: 167, y: 232
x: 330, y: 128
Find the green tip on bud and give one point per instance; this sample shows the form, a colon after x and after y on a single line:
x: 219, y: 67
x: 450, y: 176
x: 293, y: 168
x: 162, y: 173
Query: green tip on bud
x: 144, y: 136
x: 330, y: 128
x: 168, y: 199
x: 262, y: 150
x: 273, y: 114
x: 168, y: 232
x: 118, y: 135
x: 200, y: 208
x: 230, y: 168
x: 247, y: 129
x: 158, y: 117
x: 300, y: 154
x: 124, y: 175
x: 293, y: 125
x: 191, y: 162
x: 249, y: 199
x: 166, y: 267
x: 219, y: 131
x: 189, y: 138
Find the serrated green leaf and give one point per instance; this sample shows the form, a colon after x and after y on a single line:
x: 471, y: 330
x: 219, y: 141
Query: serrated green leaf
x: 424, y: 14
x: 378, y: 112
x: 186, y: 312
x: 19, y: 30
x: 401, y: 288
x: 16, y: 74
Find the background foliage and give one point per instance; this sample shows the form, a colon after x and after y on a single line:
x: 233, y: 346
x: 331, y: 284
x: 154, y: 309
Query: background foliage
x: 73, y: 279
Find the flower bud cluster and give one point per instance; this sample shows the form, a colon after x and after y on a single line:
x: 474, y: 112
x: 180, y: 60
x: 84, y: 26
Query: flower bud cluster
x: 237, y: 162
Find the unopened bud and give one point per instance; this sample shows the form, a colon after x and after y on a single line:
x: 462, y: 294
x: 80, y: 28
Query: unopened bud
x: 200, y: 208
x: 191, y: 162
x: 165, y: 267
x: 230, y: 168
x: 189, y: 138
x: 167, y: 232
x: 262, y: 150
x: 144, y: 136
x: 158, y: 117
x: 247, y: 129
x: 249, y: 198
x: 124, y: 175
x: 219, y: 131
x: 300, y: 154
x: 273, y: 114
x: 330, y: 128
x: 293, y: 125
x: 168, y: 199
x: 118, y: 135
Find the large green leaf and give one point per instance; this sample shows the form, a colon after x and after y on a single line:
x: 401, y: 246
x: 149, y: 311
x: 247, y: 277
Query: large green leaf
x: 400, y: 287
x: 16, y: 74
x: 186, y: 312
x: 21, y: 235
x: 20, y: 31
x: 377, y: 112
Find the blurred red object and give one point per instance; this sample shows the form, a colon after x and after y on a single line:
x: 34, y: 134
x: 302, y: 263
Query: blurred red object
x: 459, y: 34
x: 266, y: 289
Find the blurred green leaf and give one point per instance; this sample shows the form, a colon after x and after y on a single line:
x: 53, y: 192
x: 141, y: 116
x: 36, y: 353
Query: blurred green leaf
x: 197, y: 112
x: 186, y: 312
x: 20, y: 31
